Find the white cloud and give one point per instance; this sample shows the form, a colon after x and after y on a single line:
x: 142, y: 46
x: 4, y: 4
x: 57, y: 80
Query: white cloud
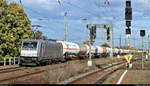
x: 106, y: 18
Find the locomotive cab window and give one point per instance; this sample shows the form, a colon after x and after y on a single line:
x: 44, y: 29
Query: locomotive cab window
x: 29, y: 45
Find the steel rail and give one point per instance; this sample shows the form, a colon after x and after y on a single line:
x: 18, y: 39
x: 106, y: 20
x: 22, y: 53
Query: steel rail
x: 76, y: 78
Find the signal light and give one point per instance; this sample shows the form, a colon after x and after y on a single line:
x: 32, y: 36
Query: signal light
x: 128, y: 13
x: 87, y: 26
x: 128, y: 3
x: 128, y: 31
x: 94, y: 36
x: 104, y: 26
x: 94, y: 28
x: 108, y: 34
x: 91, y: 31
x: 142, y: 33
x: 108, y: 37
x: 128, y: 23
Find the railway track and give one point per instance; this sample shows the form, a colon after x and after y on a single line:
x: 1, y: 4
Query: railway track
x: 24, y: 73
x: 17, y: 67
x: 36, y: 72
x: 20, y: 76
x: 96, y: 76
x: 7, y: 67
x: 10, y: 70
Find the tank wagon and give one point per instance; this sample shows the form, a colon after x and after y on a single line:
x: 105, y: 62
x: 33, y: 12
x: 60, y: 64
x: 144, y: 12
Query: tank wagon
x: 37, y: 52
x: 69, y: 49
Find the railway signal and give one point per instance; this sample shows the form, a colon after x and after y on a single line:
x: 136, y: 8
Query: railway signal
x: 128, y: 3
x: 92, y: 37
x: 142, y: 33
x: 128, y: 14
x: 128, y: 31
x: 128, y: 58
x: 108, y: 34
x: 128, y: 18
x: 94, y: 28
x: 91, y: 31
x: 128, y: 11
x: 128, y: 23
x: 103, y: 26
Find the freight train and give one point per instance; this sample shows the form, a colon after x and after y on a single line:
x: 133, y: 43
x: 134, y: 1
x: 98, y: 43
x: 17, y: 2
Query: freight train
x: 40, y: 52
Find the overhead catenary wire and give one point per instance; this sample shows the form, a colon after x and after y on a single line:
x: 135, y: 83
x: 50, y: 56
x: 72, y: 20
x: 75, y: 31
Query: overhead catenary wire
x: 20, y: 2
x: 73, y: 5
x: 34, y: 11
x: 40, y: 14
x: 46, y: 18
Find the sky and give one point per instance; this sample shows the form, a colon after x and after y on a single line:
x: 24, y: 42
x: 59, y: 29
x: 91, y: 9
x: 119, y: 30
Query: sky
x: 50, y: 15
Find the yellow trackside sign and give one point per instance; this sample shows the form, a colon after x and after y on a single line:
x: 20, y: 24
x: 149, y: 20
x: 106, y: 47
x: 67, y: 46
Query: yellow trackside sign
x: 128, y: 58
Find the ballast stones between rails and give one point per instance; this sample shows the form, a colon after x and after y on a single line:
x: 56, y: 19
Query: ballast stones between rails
x: 103, y: 77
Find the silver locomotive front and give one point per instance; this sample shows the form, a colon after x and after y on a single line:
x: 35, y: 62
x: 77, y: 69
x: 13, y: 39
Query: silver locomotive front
x: 29, y: 52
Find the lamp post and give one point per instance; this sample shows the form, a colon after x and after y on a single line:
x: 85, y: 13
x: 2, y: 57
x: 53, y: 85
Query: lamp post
x: 142, y: 55
x: 142, y: 34
x: 148, y: 45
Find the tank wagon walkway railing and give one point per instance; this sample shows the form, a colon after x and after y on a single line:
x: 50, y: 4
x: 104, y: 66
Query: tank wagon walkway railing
x: 9, y: 61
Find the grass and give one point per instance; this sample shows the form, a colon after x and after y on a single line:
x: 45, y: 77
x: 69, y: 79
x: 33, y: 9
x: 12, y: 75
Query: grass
x: 73, y: 68
x: 111, y: 79
x: 46, y: 73
x: 37, y: 68
x: 136, y: 68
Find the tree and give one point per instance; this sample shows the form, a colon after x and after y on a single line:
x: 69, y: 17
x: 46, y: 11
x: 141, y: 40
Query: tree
x: 86, y: 42
x: 105, y: 45
x: 44, y: 37
x: 14, y: 26
x: 39, y: 35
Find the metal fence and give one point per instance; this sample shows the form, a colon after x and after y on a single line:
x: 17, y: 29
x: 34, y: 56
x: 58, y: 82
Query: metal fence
x: 9, y: 61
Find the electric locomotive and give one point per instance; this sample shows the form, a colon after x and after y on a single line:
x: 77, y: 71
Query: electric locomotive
x: 36, y: 52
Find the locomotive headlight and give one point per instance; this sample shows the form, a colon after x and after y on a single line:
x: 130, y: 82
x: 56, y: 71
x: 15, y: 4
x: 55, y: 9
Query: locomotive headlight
x: 33, y: 58
x: 21, y: 58
x: 23, y: 54
x: 34, y: 54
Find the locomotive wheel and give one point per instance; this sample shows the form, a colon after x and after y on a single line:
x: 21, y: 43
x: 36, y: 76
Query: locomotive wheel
x: 20, y: 64
x: 49, y: 62
x: 81, y: 57
x: 41, y: 63
x: 63, y: 60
